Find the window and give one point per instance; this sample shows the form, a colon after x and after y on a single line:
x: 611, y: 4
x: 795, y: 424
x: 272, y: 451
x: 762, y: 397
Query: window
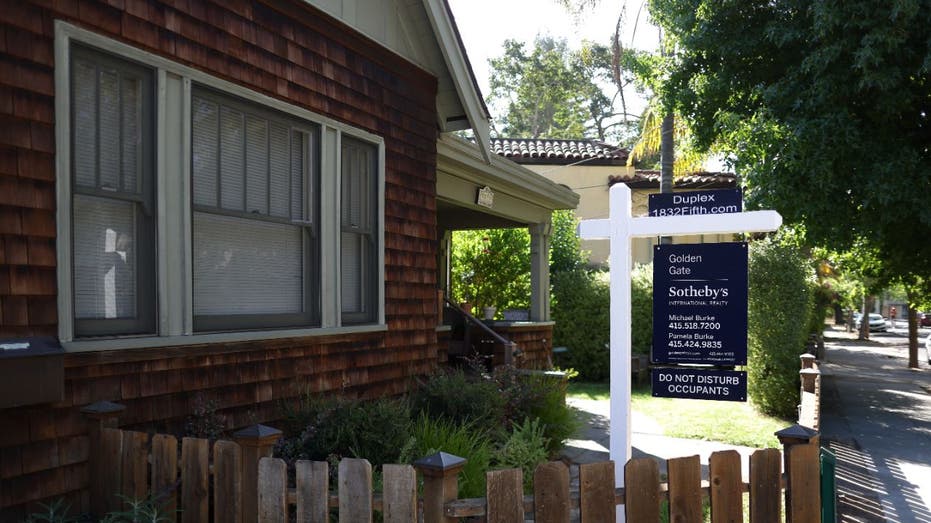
x: 193, y: 207
x: 113, y: 203
x: 358, y: 235
x: 254, y: 241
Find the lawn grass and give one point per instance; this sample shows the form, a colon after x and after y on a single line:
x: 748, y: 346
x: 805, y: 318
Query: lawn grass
x: 729, y: 422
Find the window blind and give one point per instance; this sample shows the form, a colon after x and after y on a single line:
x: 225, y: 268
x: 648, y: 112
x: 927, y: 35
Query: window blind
x: 104, y: 258
x: 250, y: 228
x: 244, y: 266
x: 357, y: 212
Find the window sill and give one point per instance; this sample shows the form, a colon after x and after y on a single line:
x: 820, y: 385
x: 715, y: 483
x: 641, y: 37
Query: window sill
x: 101, y: 344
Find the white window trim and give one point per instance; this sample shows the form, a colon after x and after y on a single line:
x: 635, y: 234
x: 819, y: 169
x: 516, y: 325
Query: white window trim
x: 173, y: 176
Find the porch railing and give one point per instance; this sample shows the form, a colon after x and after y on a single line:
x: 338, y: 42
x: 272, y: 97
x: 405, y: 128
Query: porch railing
x: 510, y: 348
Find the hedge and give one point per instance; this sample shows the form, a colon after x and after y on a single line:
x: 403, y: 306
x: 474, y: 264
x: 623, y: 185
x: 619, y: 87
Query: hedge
x: 779, y: 309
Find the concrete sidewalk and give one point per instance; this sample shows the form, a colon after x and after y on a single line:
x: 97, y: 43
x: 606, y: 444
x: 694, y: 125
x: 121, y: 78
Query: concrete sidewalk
x: 876, y: 417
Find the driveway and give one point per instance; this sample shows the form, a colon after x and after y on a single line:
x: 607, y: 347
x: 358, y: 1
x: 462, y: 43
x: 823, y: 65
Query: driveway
x: 876, y: 417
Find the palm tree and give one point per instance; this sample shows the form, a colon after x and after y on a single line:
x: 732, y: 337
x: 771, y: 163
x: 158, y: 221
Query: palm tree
x: 650, y: 142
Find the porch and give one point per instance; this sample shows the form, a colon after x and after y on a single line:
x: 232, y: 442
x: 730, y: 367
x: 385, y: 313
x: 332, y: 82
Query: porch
x: 478, y: 192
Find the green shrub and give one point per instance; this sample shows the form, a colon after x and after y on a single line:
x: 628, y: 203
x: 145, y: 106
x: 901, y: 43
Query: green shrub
x: 566, y: 253
x: 641, y: 309
x: 460, y: 397
x: 375, y: 430
x: 540, y: 398
x: 525, y: 448
x: 778, y: 325
x: 581, y: 310
x: 205, y: 421
x: 466, y: 440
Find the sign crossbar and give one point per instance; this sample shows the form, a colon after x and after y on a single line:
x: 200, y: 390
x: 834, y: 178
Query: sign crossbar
x: 646, y: 227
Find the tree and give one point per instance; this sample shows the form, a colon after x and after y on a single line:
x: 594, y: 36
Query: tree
x: 551, y: 91
x: 491, y: 267
x: 822, y: 106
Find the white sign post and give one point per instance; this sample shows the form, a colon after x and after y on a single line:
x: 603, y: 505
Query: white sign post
x: 620, y: 228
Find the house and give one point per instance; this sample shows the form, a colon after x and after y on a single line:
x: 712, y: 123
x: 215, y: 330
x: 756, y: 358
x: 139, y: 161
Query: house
x: 590, y: 167
x: 246, y: 199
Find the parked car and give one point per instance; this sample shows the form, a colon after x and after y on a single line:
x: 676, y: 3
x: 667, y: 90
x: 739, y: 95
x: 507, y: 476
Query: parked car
x: 877, y: 322
x: 924, y: 319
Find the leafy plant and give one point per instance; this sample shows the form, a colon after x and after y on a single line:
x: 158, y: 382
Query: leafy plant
x: 150, y: 509
x: 539, y: 398
x: 205, y: 420
x: 147, y: 510
x: 375, y: 430
x: 460, y: 397
x: 54, y: 512
x: 525, y: 448
x: 466, y: 440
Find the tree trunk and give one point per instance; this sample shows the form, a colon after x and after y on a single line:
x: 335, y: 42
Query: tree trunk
x: 667, y: 159
x: 667, y: 154
x: 865, y: 318
x: 912, y: 330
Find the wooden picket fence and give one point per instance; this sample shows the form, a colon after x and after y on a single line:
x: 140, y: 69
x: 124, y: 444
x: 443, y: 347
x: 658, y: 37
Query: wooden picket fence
x: 241, y: 483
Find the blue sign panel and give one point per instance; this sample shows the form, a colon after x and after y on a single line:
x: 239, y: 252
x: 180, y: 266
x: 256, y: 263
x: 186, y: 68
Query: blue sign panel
x: 700, y: 304
x: 700, y: 384
x: 696, y: 202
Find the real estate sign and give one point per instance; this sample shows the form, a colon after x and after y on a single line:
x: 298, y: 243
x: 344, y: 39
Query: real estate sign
x: 700, y: 304
x: 620, y: 228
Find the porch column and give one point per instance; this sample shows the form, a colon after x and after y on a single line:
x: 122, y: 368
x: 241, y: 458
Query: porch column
x: 540, y: 271
x: 442, y: 261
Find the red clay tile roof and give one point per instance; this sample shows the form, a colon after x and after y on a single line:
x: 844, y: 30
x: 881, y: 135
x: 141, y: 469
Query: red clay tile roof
x: 558, y: 152
x: 699, y: 180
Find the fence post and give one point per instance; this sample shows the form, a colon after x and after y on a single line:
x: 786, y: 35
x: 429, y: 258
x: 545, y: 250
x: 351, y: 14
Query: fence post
x: 809, y: 413
x: 100, y: 415
x: 809, y: 378
x: 440, y: 484
x: 801, y: 447
x: 257, y: 442
x: 808, y: 361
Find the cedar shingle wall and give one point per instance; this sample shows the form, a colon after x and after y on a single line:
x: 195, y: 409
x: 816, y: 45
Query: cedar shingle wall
x: 282, y: 49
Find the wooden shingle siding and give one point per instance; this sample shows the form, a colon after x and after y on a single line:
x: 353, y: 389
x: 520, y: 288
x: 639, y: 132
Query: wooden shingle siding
x: 283, y: 49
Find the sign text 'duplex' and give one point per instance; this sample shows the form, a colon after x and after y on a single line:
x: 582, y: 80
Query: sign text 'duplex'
x: 695, y: 203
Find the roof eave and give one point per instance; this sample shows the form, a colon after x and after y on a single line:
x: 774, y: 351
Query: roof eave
x: 506, y: 173
x: 444, y: 27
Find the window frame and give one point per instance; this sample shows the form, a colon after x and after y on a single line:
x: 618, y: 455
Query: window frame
x: 173, y: 193
x: 366, y: 234
x: 310, y: 255
x: 145, y: 322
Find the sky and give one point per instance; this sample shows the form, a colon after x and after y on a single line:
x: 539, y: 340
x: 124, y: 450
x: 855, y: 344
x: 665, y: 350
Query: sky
x: 486, y: 24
